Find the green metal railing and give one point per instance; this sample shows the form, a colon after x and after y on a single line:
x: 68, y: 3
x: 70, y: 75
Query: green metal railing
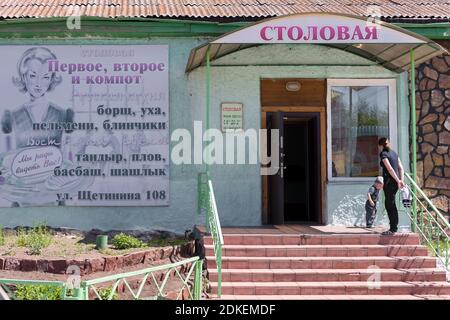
x: 105, y: 288
x: 148, y: 275
x: 207, y: 203
x: 428, y: 222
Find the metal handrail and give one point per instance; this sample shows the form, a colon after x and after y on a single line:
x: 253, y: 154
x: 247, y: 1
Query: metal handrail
x: 429, y: 222
x: 216, y: 232
x: 215, y: 228
x: 433, y: 207
x: 215, y: 212
x: 82, y: 293
x: 207, y: 202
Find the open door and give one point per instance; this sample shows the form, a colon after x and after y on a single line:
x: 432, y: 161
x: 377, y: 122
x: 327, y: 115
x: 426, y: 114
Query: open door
x: 276, y: 181
x: 296, y: 194
x: 294, y: 191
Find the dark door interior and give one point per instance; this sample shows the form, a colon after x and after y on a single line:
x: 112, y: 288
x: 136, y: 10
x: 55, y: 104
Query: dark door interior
x: 276, y: 181
x: 294, y: 192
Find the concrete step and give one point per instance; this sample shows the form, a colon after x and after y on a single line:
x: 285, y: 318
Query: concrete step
x: 318, y: 239
x: 322, y: 262
x: 326, y: 266
x: 319, y: 250
x: 323, y: 275
x: 333, y: 297
x: 333, y: 288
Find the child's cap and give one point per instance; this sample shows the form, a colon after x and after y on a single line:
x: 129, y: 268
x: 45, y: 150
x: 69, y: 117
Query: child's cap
x: 379, y: 179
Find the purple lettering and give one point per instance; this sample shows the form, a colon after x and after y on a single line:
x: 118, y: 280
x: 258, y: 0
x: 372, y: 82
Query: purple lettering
x: 295, y: 33
x: 279, y: 30
x: 314, y: 33
x: 327, y: 35
x: 343, y: 33
x: 357, y: 34
x: 263, y: 34
x: 371, y: 33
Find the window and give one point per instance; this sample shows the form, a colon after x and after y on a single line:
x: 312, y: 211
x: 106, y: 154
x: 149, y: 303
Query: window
x: 359, y: 113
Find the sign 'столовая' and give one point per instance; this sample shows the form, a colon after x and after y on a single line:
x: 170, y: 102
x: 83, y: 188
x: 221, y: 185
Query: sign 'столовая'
x: 319, y: 29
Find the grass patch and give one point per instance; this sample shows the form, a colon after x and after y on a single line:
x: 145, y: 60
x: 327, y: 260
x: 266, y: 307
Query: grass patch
x: 40, y: 240
x: 104, y: 293
x: 2, y: 236
x: 124, y: 241
x: 35, y: 239
x: 38, y: 292
x: 439, y: 245
x: 21, y: 237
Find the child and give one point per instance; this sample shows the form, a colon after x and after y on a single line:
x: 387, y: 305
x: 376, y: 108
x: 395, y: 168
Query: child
x: 371, y: 203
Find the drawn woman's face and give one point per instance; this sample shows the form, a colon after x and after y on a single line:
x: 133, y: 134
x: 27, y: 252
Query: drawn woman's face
x: 37, y: 78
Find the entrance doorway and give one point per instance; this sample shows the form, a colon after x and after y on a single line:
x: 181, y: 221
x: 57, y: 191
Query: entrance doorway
x: 296, y: 107
x: 294, y: 191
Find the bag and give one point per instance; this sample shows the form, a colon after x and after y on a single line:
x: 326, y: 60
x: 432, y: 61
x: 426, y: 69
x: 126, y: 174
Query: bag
x: 406, y: 197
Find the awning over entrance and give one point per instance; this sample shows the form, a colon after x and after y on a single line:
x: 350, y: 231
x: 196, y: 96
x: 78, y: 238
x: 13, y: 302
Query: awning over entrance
x: 383, y: 43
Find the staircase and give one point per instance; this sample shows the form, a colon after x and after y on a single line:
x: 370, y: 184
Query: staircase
x: 326, y: 266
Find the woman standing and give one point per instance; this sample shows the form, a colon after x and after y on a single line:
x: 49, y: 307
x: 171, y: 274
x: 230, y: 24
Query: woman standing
x: 393, y: 180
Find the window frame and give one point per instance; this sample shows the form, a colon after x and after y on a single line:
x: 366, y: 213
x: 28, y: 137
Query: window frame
x: 392, y: 117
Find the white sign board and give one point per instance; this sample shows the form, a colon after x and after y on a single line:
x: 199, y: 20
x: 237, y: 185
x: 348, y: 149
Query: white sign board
x: 84, y: 125
x: 232, y: 116
x: 318, y: 28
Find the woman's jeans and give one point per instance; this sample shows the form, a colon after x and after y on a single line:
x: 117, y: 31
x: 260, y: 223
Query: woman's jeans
x: 390, y: 189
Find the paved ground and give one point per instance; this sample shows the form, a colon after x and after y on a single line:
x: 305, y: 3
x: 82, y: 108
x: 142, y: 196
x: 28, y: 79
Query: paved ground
x: 298, y: 229
x: 334, y: 297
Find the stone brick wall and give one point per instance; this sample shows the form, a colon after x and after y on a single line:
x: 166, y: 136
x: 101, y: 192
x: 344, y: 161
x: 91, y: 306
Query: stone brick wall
x: 433, y: 129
